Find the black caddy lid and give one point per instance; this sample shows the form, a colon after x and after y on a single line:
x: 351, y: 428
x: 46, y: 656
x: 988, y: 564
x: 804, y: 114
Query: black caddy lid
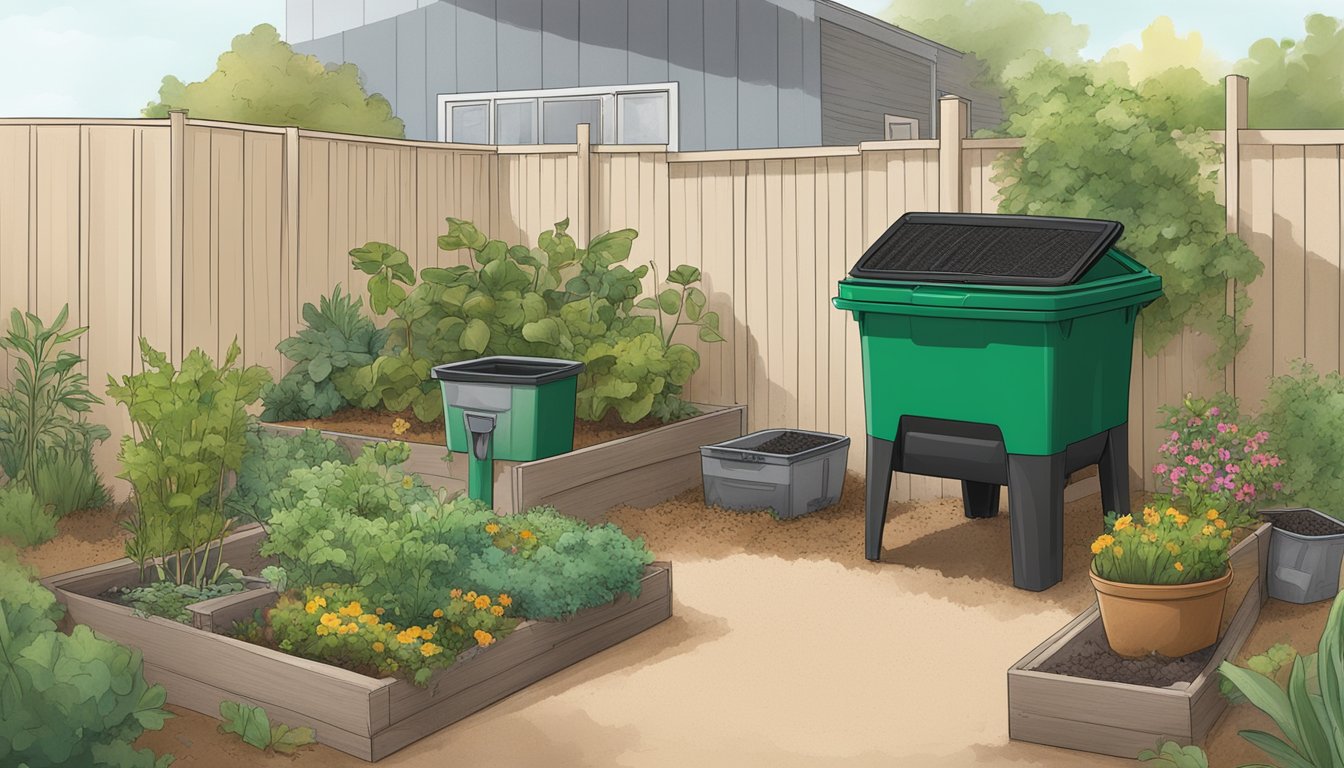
x: 992, y: 249
x: 506, y: 369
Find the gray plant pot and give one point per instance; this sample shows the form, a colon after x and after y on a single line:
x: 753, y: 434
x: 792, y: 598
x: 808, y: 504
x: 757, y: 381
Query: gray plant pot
x: 1303, y: 569
x: 737, y: 476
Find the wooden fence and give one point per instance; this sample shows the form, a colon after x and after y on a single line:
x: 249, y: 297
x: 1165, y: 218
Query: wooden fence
x: 191, y: 233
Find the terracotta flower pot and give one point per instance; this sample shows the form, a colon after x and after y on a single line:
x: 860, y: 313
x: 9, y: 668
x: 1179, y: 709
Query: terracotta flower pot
x: 1170, y: 619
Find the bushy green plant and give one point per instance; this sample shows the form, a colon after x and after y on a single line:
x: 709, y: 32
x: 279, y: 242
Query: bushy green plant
x: 1169, y: 754
x: 67, y: 700
x: 66, y: 478
x: 189, y: 433
x: 371, y: 525
x: 254, y: 727
x: 169, y: 601
x: 41, y: 415
x: 1305, y: 412
x: 268, y: 460
x: 1309, y: 711
x: 25, y: 520
x: 338, y: 337
x: 555, y: 300
x: 1273, y: 663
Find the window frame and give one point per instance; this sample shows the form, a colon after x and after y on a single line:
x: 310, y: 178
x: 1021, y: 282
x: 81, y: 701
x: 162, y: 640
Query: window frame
x: 889, y: 120
x: 611, y: 119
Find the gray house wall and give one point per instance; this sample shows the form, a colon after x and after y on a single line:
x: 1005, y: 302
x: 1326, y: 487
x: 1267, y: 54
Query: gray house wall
x: 751, y: 73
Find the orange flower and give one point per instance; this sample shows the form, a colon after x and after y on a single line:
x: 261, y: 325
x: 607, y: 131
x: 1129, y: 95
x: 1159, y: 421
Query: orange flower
x: 483, y: 638
x: 1212, y: 514
x: 524, y: 534
x: 378, y: 611
x: 1178, y: 566
x: 331, y: 620
x: 1121, y: 523
x: 438, y: 613
x: 498, y: 610
x: 311, y: 607
x: 505, y: 600
x: 482, y: 602
x: 369, y: 619
x: 430, y: 649
x: 378, y: 647
x: 455, y: 593
x: 470, y: 597
x: 491, y: 528
x: 353, y: 609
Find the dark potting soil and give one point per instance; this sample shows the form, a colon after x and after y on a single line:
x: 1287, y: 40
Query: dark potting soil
x: 1094, y: 660
x: 1305, y: 523
x: 789, y: 443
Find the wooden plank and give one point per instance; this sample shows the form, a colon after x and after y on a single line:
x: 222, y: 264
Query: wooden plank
x: 757, y: 259
x: 220, y: 613
x: 1295, y: 137
x: 1289, y: 266
x: 54, y: 258
x: 741, y: 338
x: 852, y: 372
x: 771, y: 400
x: 812, y: 308
x: 642, y: 487
x: 1321, y: 238
x: 1256, y: 360
x: 839, y: 321
x: 18, y: 176
x: 1207, y: 702
x: 228, y: 174
x: 1102, y: 739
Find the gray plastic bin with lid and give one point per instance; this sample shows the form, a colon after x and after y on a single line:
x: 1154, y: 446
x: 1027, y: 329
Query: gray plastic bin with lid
x: 737, y: 476
x: 1303, y: 569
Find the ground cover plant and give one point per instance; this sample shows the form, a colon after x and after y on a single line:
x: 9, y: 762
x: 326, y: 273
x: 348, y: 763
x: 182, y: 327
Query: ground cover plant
x: 254, y: 727
x: 267, y: 461
x: 554, y: 300
x: 67, y: 700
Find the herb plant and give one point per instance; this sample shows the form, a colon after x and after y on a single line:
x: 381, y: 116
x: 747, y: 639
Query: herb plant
x: 169, y: 601
x: 1170, y: 754
x: 254, y: 727
x: 1309, y: 711
x: 338, y: 337
x: 268, y: 460
x: 1305, y: 412
x: 68, y: 700
x: 25, y: 520
x: 65, y: 476
x: 189, y: 434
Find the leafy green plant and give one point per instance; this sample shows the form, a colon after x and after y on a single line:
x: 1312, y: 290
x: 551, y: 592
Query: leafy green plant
x: 25, y: 520
x: 338, y: 337
x: 1305, y: 412
x: 42, y: 413
x: 254, y: 727
x: 555, y: 300
x: 1272, y: 664
x: 169, y: 601
x: 66, y: 478
x: 189, y: 434
x: 1309, y: 711
x: 277, y: 576
x: 1169, y: 754
x: 67, y: 700
x: 267, y: 461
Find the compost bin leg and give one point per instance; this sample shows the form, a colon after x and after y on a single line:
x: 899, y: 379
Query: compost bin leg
x: 1036, y: 508
x: 980, y: 499
x: 880, y: 453
x: 1113, y: 471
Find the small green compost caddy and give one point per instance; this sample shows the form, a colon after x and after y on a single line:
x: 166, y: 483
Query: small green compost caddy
x: 507, y: 408
x: 996, y: 350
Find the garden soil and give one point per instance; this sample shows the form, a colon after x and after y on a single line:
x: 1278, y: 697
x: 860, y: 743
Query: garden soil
x: 786, y: 648
x: 357, y: 421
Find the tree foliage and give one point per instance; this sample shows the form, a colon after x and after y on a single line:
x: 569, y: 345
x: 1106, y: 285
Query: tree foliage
x: 262, y: 80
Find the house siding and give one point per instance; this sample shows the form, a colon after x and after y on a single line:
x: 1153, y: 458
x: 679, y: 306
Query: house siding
x: 863, y: 80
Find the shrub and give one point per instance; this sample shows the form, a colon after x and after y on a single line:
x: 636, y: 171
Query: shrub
x: 66, y: 478
x: 556, y: 300
x: 190, y: 432
x: 1305, y: 413
x: 1308, y: 713
x: 67, y: 700
x: 253, y: 726
x: 339, y: 625
x: 338, y: 336
x: 1170, y: 754
x: 25, y: 520
x: 371, y: 525
x: 267, y: 461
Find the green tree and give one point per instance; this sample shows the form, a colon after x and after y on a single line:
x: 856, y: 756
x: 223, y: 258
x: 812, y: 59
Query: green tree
x: 1005, y: 34
x: 1298, y: 83
x: 262, y: 80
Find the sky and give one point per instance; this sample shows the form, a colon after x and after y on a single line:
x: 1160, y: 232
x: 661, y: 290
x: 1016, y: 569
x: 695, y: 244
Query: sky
x: 105, y: 58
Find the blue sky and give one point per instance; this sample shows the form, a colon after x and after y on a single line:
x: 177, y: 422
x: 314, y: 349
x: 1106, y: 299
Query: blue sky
x: 105, y: 58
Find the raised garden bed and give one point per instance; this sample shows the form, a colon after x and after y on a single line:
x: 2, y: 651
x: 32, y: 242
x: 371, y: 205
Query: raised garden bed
x: 641, y: 469
x: 1125, y: 718
x: 367, y: 717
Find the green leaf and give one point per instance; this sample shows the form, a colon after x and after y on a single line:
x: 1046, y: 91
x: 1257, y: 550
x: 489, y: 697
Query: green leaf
x: 286, y: 740
x: 684, y: 275
x: 476, y: 336
x: 248, y: 721
x: 695, y: 304
x: 669, y: 301
x: 544, y: 331
x: 461, y: 234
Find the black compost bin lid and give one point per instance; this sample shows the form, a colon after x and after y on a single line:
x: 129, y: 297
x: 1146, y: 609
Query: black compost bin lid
x: 507, y: 369
x: 993, y: 249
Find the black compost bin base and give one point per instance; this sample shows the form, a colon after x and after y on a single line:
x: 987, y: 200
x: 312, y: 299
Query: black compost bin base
x: 975, y: 454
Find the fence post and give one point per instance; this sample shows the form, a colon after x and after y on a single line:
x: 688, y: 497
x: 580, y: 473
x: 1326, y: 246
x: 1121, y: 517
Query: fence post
x: 1237, y: 90
x: 953, y: 126
x: 584, y: 203
x: 177, y: 165
x: 289, y: 237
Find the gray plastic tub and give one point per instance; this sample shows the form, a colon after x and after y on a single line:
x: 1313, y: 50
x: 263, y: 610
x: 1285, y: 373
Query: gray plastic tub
x: 737, y: 476
x: 1303, y: 569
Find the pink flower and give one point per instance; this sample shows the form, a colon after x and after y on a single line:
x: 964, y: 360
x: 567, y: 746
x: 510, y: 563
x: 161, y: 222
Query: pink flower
x: 1191, y: 460
x: 1232, y: 469
x: 1278, y: 486
x: 1214, y: 411
x: 1222, y: 427
x: 1224, y: 454
x: 1161, y: 469
x: 1175, y: 475
x: 1206, y: 468
x: 1198, y: 478
x: 1232, y: 428
x: 1175, y: 435
x: 1274, y: 461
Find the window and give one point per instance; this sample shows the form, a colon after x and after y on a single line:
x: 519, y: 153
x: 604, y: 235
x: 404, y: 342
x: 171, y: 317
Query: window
x: 899, y: 128
x: 638, y: 114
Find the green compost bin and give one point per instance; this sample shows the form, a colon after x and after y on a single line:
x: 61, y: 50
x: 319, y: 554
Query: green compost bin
x: 997, y: 350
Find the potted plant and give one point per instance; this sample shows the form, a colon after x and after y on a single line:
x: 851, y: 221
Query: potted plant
x: 1161, y: 579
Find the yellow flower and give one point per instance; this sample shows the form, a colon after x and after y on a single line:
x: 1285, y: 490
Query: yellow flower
x: 353, y: 609
x: 378, y: 647
x: 1151, y: 538
x: 470, y: 597
x: 498, y: 610
x: 369, y: 619
x: 427, y: 634
x: 406, y: 638
x: 1178, y: 566
x: 1226, y: 534
x: 505, y: 600
x: 1171, y: 512
x: 483, y: 638
x: 1150, y: 516
x: 331, y: 620
x: 311, y: 607
x: 388, y: 626
x: 1207, y: 530
x: 378, y: 611
x: 524, y: 534
x: 492, y: 528
x: 399, y: 426
x: 323, y: 631
x: 438, y: 613
x: 482, y: 602
x: 455, y: 593
x: 1121, y: 523
x: 1219, y: 524
x: 1173, y: 548
x: 1103, y: 541
x: 1212, y: 514
x: 430, y: 649
x: 321, y: 601
x: 1118, y: 550
x: 406, y: 481
x: 414, y: 632
x: 1181, y: 520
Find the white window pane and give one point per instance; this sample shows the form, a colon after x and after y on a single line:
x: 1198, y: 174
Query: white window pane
x: 560, y: 118
x: 644, y: 118
x: 516, y: 123
x: 471, y: 124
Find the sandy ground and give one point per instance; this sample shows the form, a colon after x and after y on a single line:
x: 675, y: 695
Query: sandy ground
x: 787, y: 648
